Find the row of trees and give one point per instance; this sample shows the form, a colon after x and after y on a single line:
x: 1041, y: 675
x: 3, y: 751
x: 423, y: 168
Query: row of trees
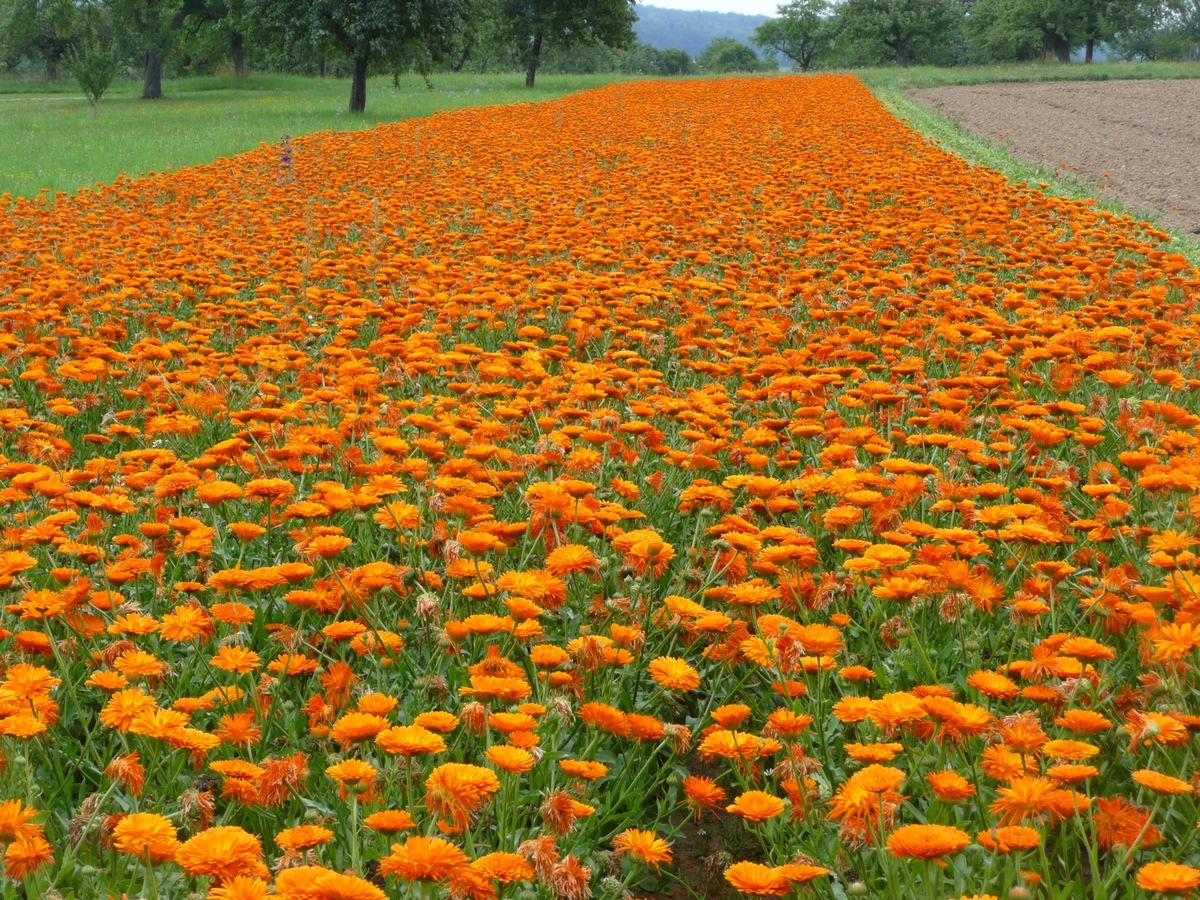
x: 95, y: 38
x: 956, y: 32
x: 306, y: 35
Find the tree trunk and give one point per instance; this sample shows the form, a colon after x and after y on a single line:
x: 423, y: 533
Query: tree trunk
x: 902, y: 59
x: 321, y: 64
x: 535, y: 58
x: 237, y: 48
x: 462, y: 59
x: 152, y: 79
x: 358, y: 85
x: 1060, y: 48
x: 1089, y: 47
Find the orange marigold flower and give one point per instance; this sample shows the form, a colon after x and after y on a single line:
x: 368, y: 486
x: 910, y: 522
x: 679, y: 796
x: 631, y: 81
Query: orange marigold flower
x: 950, y: 786
x: 269, y: 488
x: 1168, y: 878
x: 510, y: 759
x: 1160, y: 783
x: 505, y: 868
x: 758, y: 880
x: 15, y: 820
x: 701, y: 793
x: 992, y: 684
x: 1119, y: 822
x: 409, y: 740
x: 756, y: 806
x: 223, y: 852
x: 437, y: 720
x: 424, y: 859
x: 1148, y: 728
x: 389, y: 821
x: 582, y: 768
x: 26, y: 854
x: 303, y: 836
x: 317, y: 883
x: 1010, y: 839
x: 1035, y: 798
x: 148, y: 835
x: 455, y: 790
x: 571, y: 558
x: 129, y: 771
x: 644, y: 845
x: 674, y: 674
x: 241, y: 887
x: 353, y: 774
x: 801, y: 873
x: 1083, y: 721
x: 926, y: 841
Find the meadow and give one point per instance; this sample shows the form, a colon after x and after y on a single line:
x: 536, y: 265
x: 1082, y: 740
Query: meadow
x: 505, y: 503
x: 52, y: 142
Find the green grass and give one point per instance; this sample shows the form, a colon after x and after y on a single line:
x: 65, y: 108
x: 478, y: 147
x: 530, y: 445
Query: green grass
x: 51, y: 141
x: 896, y: 79
x: 889, y: 85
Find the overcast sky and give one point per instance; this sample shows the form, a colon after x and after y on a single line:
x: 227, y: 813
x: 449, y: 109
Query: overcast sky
x: 749, y: 7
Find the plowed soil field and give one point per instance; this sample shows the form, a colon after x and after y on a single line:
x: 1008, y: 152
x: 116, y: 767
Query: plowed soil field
x: 1138, y: 141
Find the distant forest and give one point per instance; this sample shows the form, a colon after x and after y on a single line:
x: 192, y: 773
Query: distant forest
x: 691, y: 31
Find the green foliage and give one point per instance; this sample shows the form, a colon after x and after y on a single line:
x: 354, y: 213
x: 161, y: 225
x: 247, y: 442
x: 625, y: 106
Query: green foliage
x: 1032, y: 29
x: 1168, y: 29
x: 726, y: 55
x: 93, y: 59
x: 37, y: 31
x: 906, y: 31
x: 676, y: 62
x: 803, y: 32
x: 398, y: 34
x: 535, y: 25
x: 641, y: 59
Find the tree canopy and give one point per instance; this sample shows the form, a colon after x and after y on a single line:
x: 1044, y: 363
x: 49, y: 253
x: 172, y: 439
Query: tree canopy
x: 899, y: 28
x: 387, y: 32
x: 725, y: 55
x: 357, y: 38
x: 534, y: 24
x: 802, y: 32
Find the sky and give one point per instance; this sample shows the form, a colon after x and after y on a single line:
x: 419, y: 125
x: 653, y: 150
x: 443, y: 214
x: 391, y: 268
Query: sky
x: 748, y: 7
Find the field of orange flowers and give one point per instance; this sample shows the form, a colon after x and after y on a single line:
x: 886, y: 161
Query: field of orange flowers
x: 488, y: 504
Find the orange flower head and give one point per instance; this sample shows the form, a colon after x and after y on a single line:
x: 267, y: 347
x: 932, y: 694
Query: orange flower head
x: 456, y: 790
x: 674, y: 674
x: 424, y: 859
x: 148, y: 835
x: 643, y: 845
x: 926, y: 841
x: 756, y: 806
x: 222, y: 852
x: 757, y: 880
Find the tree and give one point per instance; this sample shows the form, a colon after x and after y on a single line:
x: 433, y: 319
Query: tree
x: 641, y: 59
x: 147, y: 30
x: 1055, y: 27
x: 676, y: 62
x: 93, y: 59
x: 535, y: 24
x: 392, y: 32
x: 802, y: 32
x: 40, y: 31
x: 724, y: 55
x: 903, y: 27
x: 484, y: 42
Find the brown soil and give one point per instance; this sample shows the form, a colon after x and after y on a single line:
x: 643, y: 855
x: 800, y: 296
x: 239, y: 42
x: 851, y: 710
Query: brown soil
x: 1133, y: 141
